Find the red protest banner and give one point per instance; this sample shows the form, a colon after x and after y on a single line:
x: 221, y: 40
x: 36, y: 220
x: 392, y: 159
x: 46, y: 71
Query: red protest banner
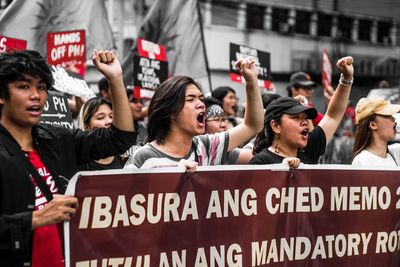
x: 326, y: 69
x: 67, y: 49
x: 7, y: 44
x: 238, y: 217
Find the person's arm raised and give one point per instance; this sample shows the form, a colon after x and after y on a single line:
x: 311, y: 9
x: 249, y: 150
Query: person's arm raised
x: 107, y: 63
x: 254, y: 115
x: 338, y: 103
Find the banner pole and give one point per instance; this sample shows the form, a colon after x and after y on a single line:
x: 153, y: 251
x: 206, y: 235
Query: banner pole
x: 204, y: 44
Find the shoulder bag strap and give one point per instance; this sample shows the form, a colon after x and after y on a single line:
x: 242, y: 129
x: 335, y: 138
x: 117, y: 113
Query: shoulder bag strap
x: 20, y: 156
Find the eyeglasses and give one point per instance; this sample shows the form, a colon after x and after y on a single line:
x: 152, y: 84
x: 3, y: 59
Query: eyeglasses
x: 220, y: 120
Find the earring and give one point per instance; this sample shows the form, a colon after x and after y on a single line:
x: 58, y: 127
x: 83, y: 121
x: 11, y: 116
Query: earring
x: 276, y: 147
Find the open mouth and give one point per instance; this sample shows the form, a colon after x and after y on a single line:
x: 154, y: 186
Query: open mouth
x: 36, y: 109
x: 304, y: 133
x: 201, y: 118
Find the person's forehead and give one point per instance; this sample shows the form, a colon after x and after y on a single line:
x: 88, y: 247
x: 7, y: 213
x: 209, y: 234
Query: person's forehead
x: 230, y: 94
x: 135, y: 100
x: 217, y: 117
x: 103, y: 108
x: 305, y: 88
x: 192, y: 90
x: 28, y: 78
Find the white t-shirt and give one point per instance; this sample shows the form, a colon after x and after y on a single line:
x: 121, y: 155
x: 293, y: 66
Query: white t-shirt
x: 208, y: 149
x: 394, y: 151
x: 366, y: 158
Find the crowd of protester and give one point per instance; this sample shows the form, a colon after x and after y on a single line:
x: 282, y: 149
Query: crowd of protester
x: 180, y: 127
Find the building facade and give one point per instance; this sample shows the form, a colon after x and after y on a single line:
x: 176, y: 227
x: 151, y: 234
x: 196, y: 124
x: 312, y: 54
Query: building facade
x: 294, y: 31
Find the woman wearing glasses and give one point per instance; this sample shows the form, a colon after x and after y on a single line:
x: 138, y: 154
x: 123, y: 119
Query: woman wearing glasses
x: 216, y: 122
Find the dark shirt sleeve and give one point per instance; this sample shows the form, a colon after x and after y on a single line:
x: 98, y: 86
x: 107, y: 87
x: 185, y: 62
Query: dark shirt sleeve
x: 102, y: 143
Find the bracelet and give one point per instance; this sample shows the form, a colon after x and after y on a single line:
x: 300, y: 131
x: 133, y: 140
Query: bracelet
x: 345, y: 82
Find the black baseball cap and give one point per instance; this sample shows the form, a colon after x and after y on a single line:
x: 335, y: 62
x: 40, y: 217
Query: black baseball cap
x: 288, y: 105
x: 301, y: 79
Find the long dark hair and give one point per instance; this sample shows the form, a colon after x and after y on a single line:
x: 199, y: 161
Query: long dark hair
x: 363, y: 136
x: 167, y: 102
x: 266, y: 136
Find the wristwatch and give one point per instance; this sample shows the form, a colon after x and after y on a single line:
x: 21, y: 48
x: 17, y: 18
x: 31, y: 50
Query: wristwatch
x: 345, y: 82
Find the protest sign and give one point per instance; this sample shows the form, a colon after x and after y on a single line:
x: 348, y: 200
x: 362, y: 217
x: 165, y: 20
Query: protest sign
x: 56, y: 111
x: 326, y: 69
x: 63, y: 82
x: 149, y: 73
x: 7, y: 44
x: 151, y: 50
x: 235, y: 216
x: 262, y: 63
x: 150, y: 68
x: 67, y: 49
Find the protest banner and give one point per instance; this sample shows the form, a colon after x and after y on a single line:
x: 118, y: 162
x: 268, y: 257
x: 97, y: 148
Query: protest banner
x: 7, y: 44
x: 262, y: 63
x: 326, y: 69
x: 235, y: 216
x: 56, y: 111
x: 151, y: 50
x: 150, y: 68
x: 67, y: 49
x: 149, y: 73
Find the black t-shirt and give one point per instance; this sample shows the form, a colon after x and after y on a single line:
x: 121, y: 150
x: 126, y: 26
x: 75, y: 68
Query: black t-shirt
x: 117, y: 163
x: 310, y: 155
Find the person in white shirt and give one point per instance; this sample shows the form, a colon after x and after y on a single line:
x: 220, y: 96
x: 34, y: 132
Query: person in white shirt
x: 375, y: 128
